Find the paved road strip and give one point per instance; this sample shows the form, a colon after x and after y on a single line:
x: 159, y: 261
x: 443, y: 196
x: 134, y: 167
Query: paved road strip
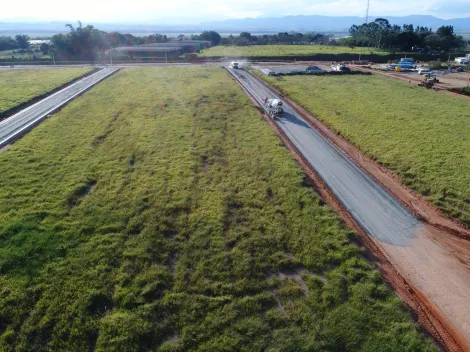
x: 417, y: 251
x: 14, y: 126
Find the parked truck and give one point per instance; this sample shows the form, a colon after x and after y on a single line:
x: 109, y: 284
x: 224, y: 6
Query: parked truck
x: 406, y: 64
x: 463, y: 60
x: 340, y: 67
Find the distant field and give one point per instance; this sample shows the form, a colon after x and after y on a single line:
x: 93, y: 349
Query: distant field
x: 284, y: 50
x: 420, y: 134
x: 160, y: 212
x: 20, y: 86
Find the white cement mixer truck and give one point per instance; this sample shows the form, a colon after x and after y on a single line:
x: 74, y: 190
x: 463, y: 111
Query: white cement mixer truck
x: 274, y: 107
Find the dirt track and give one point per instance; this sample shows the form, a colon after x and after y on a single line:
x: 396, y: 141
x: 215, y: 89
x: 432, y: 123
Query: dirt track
x: 415, y: 79
x: 431, y: 271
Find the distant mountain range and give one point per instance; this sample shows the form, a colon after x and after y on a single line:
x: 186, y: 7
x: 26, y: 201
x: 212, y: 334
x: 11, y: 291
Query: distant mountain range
x: 314, y: 23
x: 332, y: 24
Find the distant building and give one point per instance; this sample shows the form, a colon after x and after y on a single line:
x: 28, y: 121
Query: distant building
x: 172, y: 48
x: 39, y: 41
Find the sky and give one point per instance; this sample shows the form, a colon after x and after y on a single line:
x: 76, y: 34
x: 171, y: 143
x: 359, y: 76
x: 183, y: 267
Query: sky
x: 197, y: 11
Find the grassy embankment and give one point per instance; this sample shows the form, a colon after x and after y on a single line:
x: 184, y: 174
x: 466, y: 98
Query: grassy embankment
x: 160, y: 212
x: 284, y: 50
x: 20, y: 86
x: 421, y: 135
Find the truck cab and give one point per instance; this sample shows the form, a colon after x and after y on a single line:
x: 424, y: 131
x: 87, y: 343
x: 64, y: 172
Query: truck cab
x: 424, y: 71
x: 406, y: 63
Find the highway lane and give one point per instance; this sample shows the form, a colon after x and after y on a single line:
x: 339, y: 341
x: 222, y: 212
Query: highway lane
x: 374, y: 209
x: 16, y: 125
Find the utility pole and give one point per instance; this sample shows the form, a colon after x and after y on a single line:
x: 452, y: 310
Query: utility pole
x: 166, y: 57
x: 367, y: 12
x: 111, y: 56
x: 52, y: 53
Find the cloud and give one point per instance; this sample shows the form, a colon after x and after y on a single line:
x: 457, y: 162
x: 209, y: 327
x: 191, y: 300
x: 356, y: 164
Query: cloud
x: 203, y: 10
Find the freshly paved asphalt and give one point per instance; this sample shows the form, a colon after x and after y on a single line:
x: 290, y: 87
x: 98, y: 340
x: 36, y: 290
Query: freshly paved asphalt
x: 374, y: 209
x: 16, y: 125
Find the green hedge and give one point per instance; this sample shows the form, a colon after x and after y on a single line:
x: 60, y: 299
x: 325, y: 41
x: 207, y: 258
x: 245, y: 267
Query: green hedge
x: 463, y: 91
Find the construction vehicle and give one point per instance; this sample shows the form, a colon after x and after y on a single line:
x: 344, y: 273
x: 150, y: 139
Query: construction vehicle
x: 406, y: 64
x: 430, y: 77
x: 463, y: 60
x: 423, y: 71
x: 274, y: 107
x: 340, y: 67
x: 428, y: 82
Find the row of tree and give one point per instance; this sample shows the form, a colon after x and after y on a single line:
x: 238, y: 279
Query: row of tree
x: 382, y: 35
x: 19, y: 42
x: 90, y: 43
x: 246, y: 38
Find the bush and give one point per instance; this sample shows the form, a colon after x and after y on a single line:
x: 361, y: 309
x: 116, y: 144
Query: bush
x: 190, y: 57
x: 463, y: 91
x: 435, y: 65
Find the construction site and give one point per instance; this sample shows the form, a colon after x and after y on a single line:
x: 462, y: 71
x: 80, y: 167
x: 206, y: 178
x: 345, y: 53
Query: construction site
x: 230, y: 193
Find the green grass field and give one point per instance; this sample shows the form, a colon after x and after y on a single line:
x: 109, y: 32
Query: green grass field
x: 284, y: 50
x: 421, y: 135
x: 160, y: 212
x: 20, y: 86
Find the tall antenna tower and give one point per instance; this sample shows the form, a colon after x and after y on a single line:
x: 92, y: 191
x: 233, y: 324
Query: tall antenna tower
x: 367, y: 12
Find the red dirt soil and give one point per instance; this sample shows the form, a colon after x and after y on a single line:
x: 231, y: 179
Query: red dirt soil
x: 431, y: 275
x: 442, y: 88
x: 4, y: 148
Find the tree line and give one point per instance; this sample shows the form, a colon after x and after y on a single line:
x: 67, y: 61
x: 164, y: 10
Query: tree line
x: 9, y: 43
x: 382, y: 35
x: 90, y: 43
x: 246, y: 38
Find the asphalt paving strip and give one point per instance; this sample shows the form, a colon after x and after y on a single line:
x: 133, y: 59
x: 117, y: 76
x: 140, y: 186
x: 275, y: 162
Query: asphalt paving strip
x: 15, y: 126
x: 434, y: 271
x: 374, y: 209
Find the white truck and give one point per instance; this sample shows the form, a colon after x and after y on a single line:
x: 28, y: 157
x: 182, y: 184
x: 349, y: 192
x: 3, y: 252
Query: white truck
x: 463, y: 60
x: 234, y: 65
x: 274, y: 107
x: 423, y: 71
x: 340, y: 67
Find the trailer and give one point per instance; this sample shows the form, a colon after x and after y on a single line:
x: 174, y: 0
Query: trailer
x: 274, y: 107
